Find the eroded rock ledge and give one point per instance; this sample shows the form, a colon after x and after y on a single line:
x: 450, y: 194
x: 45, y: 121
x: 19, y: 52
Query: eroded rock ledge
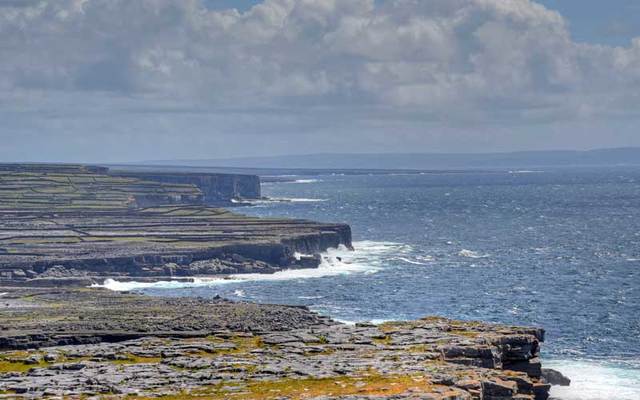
x: 80, y: 343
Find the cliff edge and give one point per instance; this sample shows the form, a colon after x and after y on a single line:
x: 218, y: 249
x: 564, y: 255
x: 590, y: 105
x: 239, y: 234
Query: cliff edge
x: 74, y: 221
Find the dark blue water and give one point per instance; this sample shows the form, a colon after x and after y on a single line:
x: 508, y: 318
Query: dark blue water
x: 557, y: 249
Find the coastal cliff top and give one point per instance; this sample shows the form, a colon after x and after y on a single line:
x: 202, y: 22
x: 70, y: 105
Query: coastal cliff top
x: 83, y: 344
x: 71, y: 189
x: 77, y: 221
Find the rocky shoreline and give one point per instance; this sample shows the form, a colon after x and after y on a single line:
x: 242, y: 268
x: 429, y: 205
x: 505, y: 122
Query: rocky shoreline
x: 80, y: 343
x: 63, y: 228
x: 68, y: 224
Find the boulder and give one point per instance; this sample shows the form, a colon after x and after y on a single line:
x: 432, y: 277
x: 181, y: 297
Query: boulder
x: 554, y: 377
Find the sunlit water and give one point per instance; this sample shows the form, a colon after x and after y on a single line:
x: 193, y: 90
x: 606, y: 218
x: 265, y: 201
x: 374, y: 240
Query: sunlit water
x: 558, y: 249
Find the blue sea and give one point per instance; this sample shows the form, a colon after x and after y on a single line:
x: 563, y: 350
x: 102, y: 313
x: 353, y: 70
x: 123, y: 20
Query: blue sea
x: 558, y: 249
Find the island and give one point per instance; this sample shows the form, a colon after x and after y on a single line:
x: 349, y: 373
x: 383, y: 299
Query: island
x: 66, y: 227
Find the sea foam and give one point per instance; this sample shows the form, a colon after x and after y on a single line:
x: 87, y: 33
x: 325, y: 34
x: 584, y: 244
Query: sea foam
x: 471, y: 254
x: 596, y: 380
x: 366, y: 258
x: 305, y: 181
x: 276, y: 200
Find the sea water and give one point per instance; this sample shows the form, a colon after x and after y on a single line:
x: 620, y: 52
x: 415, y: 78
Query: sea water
x: 558, y: 249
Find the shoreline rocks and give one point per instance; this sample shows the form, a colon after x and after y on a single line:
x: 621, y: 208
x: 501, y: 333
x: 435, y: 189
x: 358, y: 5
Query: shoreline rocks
x: 78, y: 342
x: 67, y: 226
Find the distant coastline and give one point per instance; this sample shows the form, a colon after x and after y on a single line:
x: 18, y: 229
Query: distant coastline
x: 427, y: 161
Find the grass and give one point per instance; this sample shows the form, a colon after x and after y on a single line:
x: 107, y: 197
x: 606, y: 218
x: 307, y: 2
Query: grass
x: 15, y: 361
x: 465, y: 333
x: 371, y: 384
x: 133, y: 359
x: 242, y: 345
x: 385, y: 341
x: 9, y: 365
x: 78, y: 189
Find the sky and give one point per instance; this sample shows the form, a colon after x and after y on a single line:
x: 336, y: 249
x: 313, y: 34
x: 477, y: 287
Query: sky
x: 123, y: 80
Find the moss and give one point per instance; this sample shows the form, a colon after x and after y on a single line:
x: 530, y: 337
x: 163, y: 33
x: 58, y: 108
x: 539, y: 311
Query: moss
x: 419, y: 348
x: 133, y: 359
x: 465, y: 333
x: 246, y: 344
x: 325, y: 352
x: 323, y: 339
x: 386, y: 341
x: 19, y: 366
x: 308, y: 388
x: 393, y: 326
x: 242, y: 344
x: 434, y: 319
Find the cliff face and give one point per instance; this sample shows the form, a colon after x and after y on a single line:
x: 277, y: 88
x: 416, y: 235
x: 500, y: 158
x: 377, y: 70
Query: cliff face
x: 159, y: 241
x: 216, y: 188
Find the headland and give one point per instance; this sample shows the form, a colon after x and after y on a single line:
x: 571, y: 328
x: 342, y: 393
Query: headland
x: 65, y: 227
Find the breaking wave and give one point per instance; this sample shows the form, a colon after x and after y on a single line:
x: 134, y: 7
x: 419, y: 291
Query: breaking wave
x: 471, y: 254
x: 367, y: 258
x: 305, y: 181
x: 597, y: 380
x: 419, y: 260
x: 276, y: 200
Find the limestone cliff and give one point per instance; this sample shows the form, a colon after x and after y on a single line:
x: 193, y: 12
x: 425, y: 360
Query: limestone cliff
x: 216, y: 188
x: 68, y: 221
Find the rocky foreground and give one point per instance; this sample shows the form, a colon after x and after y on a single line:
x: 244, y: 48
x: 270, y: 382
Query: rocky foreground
x: 92, y: 343
x: 63, y: 227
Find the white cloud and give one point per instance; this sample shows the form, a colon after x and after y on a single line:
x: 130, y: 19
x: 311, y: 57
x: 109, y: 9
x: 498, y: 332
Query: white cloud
x: 453, y: 63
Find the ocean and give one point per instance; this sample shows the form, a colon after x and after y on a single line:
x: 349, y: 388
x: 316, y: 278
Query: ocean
x: 556, y: 248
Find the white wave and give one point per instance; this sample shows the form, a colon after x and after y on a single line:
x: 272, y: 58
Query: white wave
x: 380, y: 321
x: 239, y: 293
x: 471, y: 254
x: 633, y: 259
x: 305, y: 181
x: 415, y: 262
x: 525, y: 171
x: 298, y: 256
x: 370, y: 272
x: 373, y: 248
x: 300, y: 200
x: 275, y: 200
x: 595, y: 380
x: 124, y: 286
x: 375, y: 321
x: 367, y: 258
x: 310, y: 297
x: 334, y: 262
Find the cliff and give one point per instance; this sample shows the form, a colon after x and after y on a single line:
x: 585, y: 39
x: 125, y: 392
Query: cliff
x: 76, y: 222
x: 216, y: 188
x: 77, y: 225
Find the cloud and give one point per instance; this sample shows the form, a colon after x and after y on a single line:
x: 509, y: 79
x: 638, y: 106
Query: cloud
x: 449, y: 63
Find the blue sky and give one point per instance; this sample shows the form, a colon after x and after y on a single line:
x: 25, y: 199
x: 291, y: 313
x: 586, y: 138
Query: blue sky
x: 122, y: 80
x: 612, y: 22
